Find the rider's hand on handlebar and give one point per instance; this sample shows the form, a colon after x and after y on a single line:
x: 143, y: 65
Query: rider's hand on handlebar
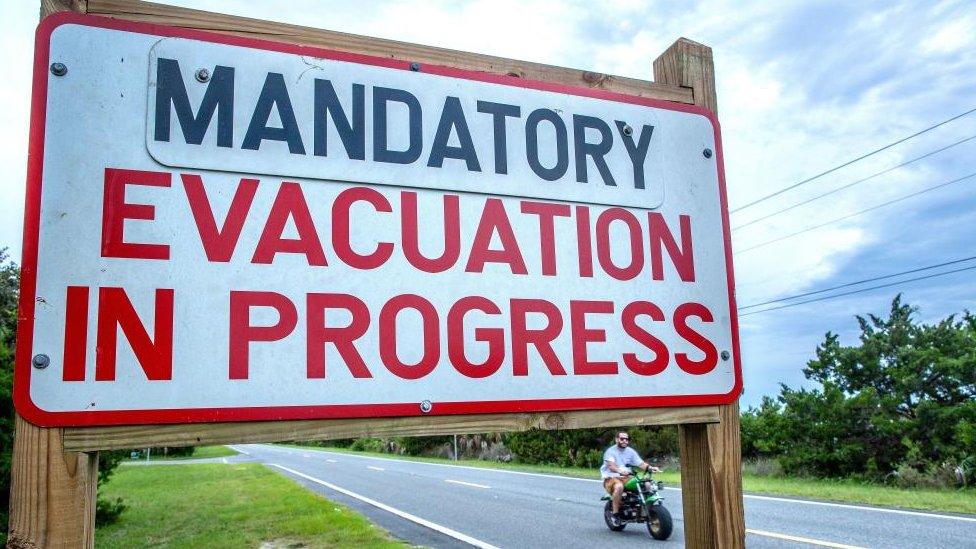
x: 654, y: 469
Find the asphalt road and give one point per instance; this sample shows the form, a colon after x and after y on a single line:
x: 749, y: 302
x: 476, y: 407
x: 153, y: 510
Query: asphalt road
x: 438, y: 505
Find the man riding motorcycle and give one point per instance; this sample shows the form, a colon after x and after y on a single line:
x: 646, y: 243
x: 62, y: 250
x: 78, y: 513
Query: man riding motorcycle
x: 615, y: 470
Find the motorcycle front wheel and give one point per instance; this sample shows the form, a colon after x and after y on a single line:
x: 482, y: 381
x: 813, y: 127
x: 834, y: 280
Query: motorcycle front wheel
x: 616, y: 526
x: 659, y: 522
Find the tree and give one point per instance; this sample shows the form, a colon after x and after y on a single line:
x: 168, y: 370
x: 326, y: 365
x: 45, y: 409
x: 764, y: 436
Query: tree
x: 924, y: 375
x: 903, y: 396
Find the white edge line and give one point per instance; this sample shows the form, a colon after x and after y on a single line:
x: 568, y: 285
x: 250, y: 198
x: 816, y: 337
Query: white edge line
x: 238, y: 450
x: 375, y: 468
x: 473, y: 485
x: 747, y: 496
x: 863, y: 508
x: 225, y: 461
x: 802, y: 540
x: 402, y: 514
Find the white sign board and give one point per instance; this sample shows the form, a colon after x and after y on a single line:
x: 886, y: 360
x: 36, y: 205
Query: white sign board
x: 222, y: 229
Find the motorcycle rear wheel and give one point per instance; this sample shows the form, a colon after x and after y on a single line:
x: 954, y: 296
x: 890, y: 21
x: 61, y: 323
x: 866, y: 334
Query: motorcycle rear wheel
x: 608, y: 518
x: 659, y: 523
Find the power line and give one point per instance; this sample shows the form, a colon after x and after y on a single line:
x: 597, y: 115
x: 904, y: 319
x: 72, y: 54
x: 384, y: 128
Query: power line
x: 849, y: 162
x: 852, y: 292
x: 859, y: 282
x: 853, y: 183
x: 872, y: 208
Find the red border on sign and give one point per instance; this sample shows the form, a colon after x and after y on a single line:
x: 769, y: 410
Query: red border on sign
x: 35, y: 164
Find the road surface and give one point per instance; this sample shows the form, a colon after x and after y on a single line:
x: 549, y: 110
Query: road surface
x: 440, y: 505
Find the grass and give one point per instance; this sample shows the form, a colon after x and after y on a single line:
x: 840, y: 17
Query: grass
x: 201, y: 452
x: 228, y: 506
x: 846, y: 491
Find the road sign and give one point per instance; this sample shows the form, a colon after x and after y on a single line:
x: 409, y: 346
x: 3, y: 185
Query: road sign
x: 224, y: 229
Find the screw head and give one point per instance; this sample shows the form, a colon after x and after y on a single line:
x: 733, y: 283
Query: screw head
x: 59, y: 69
x: 726, y: 355
x: 415, y: 66
x: 202, y: 75
x: 41, y: 361
x: 426, y: 406
x: 707, y: 153
x: 628, y: 130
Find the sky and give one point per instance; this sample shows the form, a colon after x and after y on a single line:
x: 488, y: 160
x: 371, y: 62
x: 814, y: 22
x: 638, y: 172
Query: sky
x: 802, y: 87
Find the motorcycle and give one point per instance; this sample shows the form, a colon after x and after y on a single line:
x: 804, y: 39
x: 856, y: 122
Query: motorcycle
x: 640, y: 503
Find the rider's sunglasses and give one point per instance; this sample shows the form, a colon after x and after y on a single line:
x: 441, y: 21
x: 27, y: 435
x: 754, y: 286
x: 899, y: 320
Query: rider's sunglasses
x: 624, y: 438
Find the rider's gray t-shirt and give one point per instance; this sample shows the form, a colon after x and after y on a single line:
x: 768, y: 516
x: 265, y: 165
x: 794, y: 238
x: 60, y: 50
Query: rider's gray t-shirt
x: 621, y: 458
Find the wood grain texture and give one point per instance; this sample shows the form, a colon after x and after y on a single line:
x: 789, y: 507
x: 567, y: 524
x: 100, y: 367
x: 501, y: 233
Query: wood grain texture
x: 711, y: 456
x: 53, y: 6
x: 689, y: 65
x: 52, y: 492
x: 135, y: 436
x: 136, y: 10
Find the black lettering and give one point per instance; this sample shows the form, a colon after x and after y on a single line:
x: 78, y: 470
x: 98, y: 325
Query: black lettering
x: 452, y: 118
x: 274, y: 94
x: 532, y: 144
x: 638, y: 152
x: 219, y: 98
x: 353, y: 134
x: 596, y: 151
x: 499, y: 111
x: 381, y: 151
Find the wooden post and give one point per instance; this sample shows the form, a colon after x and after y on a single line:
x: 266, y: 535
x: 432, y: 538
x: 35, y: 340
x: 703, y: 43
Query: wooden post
x: 52, y: 492
x: 711, y: 460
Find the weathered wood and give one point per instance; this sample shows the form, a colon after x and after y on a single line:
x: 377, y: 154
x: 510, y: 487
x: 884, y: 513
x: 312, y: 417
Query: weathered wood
x: 52, y: 492
x: 135, y: 10
x: 136, y: 436
x: 688, y: 64
x: 53, y: 6
x: 711, y: 460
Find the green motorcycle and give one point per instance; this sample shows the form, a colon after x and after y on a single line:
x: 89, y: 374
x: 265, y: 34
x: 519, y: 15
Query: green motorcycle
x: 640, y: 502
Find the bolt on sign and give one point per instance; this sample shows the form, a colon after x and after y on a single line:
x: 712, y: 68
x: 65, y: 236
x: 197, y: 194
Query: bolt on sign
x: 225, y: 229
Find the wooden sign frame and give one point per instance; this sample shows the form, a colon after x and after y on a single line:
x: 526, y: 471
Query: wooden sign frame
x: 55, y: 470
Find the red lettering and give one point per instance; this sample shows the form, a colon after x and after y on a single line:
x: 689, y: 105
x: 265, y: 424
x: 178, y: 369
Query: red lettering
x: 706, y: 364
x: 388, y: 336
x: 661, y: 236
x: 603, y: 244
x: 154, y: 355
x: 242, y: 333
x: 452, y: 234
x: 522, y: 337
x: 494, y: 337
x: 343, y: 338
x: 547, y: 212
x: 290, y: 203
x: 642, y: 336
x: 219, y: 243
x: 494, y: 219
x: 340, y: 228
x: 584, y: 243
x: 115, y: 210
x: 75, y: 333
x: 582, y: 335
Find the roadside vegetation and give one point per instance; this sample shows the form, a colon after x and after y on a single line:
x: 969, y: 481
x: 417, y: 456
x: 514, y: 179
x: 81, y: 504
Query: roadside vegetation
x: 228, y: 506
x: 190, y: 452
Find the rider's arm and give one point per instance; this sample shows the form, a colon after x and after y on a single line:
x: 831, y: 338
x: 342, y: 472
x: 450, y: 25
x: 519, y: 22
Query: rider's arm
x: 612, y: 465
x: 648, y: 467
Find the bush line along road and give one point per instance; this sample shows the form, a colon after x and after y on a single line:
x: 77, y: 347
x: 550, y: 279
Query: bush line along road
x: 444, y: 505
